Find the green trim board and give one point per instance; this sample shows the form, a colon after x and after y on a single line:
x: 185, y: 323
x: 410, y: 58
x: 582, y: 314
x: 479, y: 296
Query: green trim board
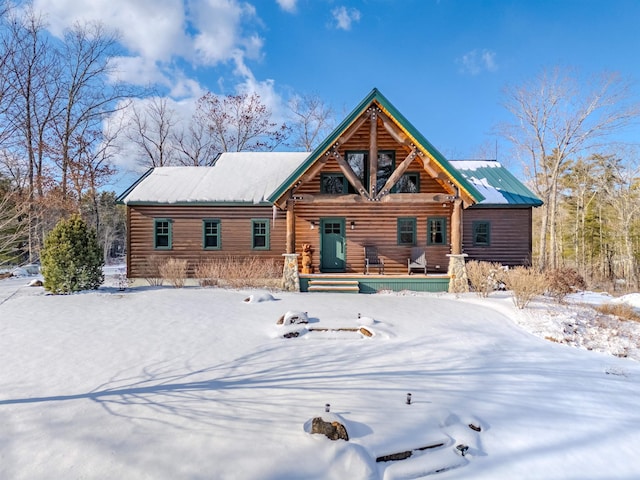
x: 376, y: 97
x: 374, y: 284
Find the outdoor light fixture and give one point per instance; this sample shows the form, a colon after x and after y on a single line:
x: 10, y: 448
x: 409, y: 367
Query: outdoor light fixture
x: 353, y: 225
x: 327, y: 407
x: 313, y: 225
x: 408, y: 399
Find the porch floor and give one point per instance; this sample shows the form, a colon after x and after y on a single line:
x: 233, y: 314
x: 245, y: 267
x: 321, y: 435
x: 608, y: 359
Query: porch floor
x: 374, y: 283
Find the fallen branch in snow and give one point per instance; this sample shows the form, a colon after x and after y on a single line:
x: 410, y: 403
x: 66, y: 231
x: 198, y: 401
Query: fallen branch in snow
x: 406, y: 454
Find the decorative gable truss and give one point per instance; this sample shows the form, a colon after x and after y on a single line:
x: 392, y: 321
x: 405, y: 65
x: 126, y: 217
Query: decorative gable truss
x: 374, y: 118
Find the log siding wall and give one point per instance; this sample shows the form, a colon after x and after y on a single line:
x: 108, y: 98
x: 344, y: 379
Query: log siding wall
x: 510, y: 235
x: 374, y: 224
x: 187, y: 237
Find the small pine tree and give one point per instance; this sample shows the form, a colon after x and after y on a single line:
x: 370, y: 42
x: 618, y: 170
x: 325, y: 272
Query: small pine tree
x: 71, y: 258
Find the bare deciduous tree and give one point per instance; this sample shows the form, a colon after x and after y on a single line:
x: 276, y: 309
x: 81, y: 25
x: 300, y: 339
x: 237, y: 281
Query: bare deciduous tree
x: 31, y: 70
x: 152, y: 130
x: 87, y: 96
x: 556, y: 119
x: 54, y: 96
x: 240, y: 123
x: 312, y: 120
x: 13, y: 225
x: 194, y: 142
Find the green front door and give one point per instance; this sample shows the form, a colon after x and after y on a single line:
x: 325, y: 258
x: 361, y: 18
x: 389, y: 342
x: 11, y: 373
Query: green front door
x: 332, y: 245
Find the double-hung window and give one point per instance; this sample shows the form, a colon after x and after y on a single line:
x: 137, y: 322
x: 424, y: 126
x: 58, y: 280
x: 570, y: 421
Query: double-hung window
x: 481, y: 233
x: 260, y: 234
x: 162, y: 234
x: 436, y: 231
x: 211, y: 234
x: 406, y: 231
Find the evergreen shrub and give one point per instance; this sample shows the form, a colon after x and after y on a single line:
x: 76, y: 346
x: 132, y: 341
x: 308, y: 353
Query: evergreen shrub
x: 72, y: 259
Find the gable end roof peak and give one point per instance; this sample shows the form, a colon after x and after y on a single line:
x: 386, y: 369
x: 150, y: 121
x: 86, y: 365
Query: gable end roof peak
x: 375, y: 96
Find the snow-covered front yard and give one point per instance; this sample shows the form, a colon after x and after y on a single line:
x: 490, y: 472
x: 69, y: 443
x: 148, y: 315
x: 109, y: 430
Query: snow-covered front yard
x: 196, y: 383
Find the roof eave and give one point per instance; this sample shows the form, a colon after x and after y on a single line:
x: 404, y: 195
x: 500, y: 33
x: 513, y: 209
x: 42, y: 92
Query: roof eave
x: 237, y: 203
x: 121, y: 198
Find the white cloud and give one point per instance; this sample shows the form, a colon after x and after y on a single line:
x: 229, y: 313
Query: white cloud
x: 138, y: 71
x: 157, y: 32
x: 164, y: 40
x: 287, y: 5
x: 153, y: 29
x: 477, y: 61
x: 219, y: 24
x: 344, y: 17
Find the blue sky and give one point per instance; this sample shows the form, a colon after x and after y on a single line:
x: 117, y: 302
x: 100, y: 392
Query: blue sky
x: 442, y: 63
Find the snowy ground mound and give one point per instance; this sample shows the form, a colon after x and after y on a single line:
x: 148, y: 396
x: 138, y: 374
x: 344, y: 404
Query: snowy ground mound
x: 171, y: 383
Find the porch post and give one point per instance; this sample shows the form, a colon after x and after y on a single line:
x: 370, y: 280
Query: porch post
x: 290, y: 276
x: 291, y: 229
x: 458, y: 281
x: 456, y: 227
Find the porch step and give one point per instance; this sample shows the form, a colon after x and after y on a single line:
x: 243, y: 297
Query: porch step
x: 342, y: 286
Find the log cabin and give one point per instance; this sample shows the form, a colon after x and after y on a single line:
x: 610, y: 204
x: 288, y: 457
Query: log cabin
x: 374, y: 182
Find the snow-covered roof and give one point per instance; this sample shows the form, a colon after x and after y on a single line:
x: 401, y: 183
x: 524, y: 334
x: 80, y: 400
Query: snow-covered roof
x: 237, y: 177
x: 495, y: 183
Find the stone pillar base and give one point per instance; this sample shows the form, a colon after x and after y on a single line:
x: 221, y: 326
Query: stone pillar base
x: 290, y: 277
x: 458, y: 282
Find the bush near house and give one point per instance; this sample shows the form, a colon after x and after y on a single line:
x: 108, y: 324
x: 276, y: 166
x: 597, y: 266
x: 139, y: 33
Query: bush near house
x: 525, y: 283
x: 563, y: 281
x: 484, y: 277
x: 174, y: 271
x: 240, y: 272
x: 72, y: 259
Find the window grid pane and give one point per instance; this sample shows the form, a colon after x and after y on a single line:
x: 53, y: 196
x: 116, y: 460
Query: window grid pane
x: 260, y: 234
x: 162, y: 234
x: 406, y: 231
x: 481, y: 233
x: 436, y: 232
x: 211, y: 234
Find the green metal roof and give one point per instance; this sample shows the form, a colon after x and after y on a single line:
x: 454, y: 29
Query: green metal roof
x: 496, y: 183
x: 420, y: 141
